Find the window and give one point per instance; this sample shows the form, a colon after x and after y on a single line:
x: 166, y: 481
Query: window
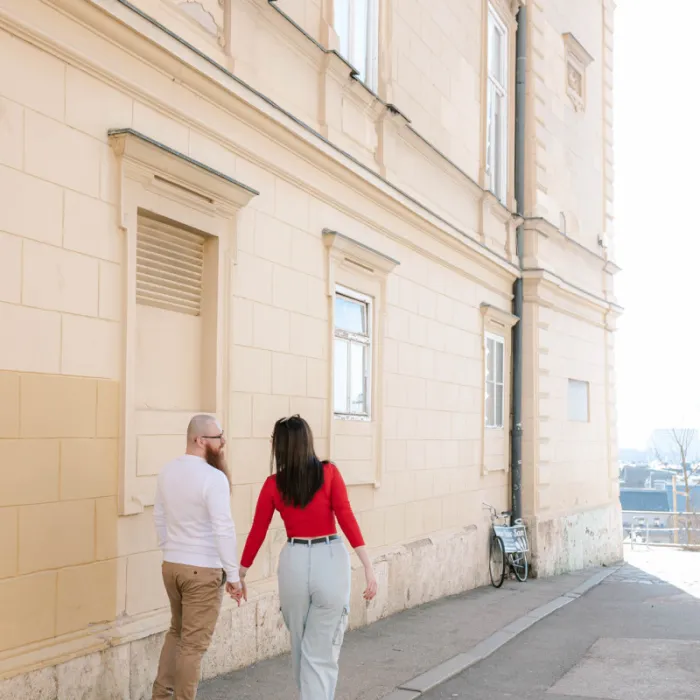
x: 356, y: 24
x: 495, y: 393
x: 176, y: 216
x: 578, y: 401
x: 357, y: 279
x: 352, y: 361
x: 497, y: 105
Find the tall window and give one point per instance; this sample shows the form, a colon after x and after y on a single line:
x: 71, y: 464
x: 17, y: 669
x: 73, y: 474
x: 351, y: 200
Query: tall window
x: 495, y: 356
x: 352, y: 360
x: 497, y: 105
x: 578, y: 401
x: 356, y: 24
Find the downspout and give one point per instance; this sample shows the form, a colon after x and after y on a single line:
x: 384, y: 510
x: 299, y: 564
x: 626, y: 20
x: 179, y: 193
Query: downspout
x: 516, y: 440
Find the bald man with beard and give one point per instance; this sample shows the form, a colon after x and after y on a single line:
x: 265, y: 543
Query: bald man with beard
x: 196, y: 534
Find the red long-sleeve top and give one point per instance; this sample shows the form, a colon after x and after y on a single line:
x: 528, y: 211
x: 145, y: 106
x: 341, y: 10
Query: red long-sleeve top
x: 317, y: 519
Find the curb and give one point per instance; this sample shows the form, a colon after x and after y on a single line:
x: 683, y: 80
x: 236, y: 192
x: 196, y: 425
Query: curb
x: 410, y: 690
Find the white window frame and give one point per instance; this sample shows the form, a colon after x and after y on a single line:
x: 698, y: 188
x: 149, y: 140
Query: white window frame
x: 493, y: 422
x: 497, y: 89
x: 356, y: 338
x: 573, y: 413
x: 347, y: 21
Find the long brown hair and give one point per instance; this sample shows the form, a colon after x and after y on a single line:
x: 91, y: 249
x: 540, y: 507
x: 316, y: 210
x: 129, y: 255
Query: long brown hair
x: 299, y: 471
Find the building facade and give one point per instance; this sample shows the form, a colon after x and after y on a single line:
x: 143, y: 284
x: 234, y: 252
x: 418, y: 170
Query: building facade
x: 255, y: 208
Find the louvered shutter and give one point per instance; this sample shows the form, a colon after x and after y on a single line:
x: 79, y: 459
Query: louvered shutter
x: 169, y: 262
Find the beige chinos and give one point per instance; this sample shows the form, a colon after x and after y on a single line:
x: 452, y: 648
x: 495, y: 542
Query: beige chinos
x: 195, y: 595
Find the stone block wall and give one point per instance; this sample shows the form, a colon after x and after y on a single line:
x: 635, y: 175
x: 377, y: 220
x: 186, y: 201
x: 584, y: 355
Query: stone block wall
x: 58, y: 486
x: 256, y: 631
x: 82, y: 607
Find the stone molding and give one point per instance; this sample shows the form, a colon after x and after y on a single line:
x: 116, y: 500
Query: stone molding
x: 166, y: 183
x: 353, y: 265
x: 496, y: 321
x: 577, y: 61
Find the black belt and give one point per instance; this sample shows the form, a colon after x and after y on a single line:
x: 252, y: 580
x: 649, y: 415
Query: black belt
x: 315, y: 540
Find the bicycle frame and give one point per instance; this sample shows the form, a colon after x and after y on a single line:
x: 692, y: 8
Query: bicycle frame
x: 510, y: 542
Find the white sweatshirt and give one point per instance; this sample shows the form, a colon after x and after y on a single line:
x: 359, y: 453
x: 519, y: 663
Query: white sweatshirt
x: 192, y: 514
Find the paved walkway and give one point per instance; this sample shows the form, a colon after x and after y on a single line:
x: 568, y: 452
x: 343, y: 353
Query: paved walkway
x: 674, y: 566
x: 379, y: 658
x: 635, y: 637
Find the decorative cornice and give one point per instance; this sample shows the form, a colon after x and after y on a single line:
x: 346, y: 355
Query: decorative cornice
x: 501, y: 317
x: 507, y: 9
x: 574, y: 46
x: 542, y: 276
x: 372, y: 260
x: 179, y: 170
x: 547, y: 229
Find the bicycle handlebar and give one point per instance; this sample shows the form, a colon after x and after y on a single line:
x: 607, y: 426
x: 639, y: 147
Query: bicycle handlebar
x: 494, y: 512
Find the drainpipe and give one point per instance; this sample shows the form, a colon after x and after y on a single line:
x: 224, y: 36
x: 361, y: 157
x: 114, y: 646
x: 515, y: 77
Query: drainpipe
x: 516, y: 439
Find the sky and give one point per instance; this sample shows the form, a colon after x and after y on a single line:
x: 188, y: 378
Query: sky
x: 657, y: 231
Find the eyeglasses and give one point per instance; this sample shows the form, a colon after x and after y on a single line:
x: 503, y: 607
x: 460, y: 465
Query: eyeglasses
x: 220, y: 436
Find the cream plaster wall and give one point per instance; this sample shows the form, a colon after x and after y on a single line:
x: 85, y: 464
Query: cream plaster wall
x: 65, y: 312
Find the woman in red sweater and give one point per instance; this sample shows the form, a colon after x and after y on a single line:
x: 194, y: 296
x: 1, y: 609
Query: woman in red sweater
x: 314, y: 567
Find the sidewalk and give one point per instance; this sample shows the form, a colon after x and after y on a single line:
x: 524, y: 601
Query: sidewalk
x: 379, y: 658
x: 635, y: 637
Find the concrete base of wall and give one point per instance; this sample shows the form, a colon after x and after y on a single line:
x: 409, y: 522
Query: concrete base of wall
x: 576, y: 541
x: 409, y: 575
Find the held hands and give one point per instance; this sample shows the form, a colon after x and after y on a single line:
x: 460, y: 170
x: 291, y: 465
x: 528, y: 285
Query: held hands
x: 239, y: 591
x: 236, y: 591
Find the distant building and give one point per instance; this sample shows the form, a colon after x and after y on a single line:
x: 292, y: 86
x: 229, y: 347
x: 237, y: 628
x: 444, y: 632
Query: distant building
x: 633, y: 456
x: 681, y: 506
x: 646, y: 515
x: 633, y: 476
x: 644, y: 500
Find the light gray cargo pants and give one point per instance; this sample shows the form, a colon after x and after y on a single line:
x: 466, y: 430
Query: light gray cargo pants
x: 314, y: 584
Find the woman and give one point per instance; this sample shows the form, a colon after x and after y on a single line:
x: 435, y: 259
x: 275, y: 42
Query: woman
x: 314, y: 568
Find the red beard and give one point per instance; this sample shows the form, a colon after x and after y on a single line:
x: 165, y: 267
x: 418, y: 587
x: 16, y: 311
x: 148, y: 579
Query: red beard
x: 217, y: 459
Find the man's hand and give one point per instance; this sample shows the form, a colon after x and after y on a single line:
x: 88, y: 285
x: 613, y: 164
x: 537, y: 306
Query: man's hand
x: 236, y: 591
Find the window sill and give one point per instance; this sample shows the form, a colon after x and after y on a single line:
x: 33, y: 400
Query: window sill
x: 350, y: 417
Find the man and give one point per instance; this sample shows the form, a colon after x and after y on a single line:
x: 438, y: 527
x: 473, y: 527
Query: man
x: 192, y: 515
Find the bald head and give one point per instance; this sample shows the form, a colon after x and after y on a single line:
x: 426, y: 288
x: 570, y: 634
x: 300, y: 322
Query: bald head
x: 202, y: 425
x: 205, y: 439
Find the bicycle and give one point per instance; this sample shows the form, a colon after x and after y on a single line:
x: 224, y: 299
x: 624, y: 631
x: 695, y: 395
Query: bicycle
x: 507, y: 544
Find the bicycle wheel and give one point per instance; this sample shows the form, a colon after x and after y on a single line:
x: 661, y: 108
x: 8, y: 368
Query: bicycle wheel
x: 518, y: 563
x: 497, y: 561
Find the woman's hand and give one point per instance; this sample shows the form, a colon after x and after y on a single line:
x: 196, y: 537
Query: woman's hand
x: 371, y: 581
x: 371, y: 584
